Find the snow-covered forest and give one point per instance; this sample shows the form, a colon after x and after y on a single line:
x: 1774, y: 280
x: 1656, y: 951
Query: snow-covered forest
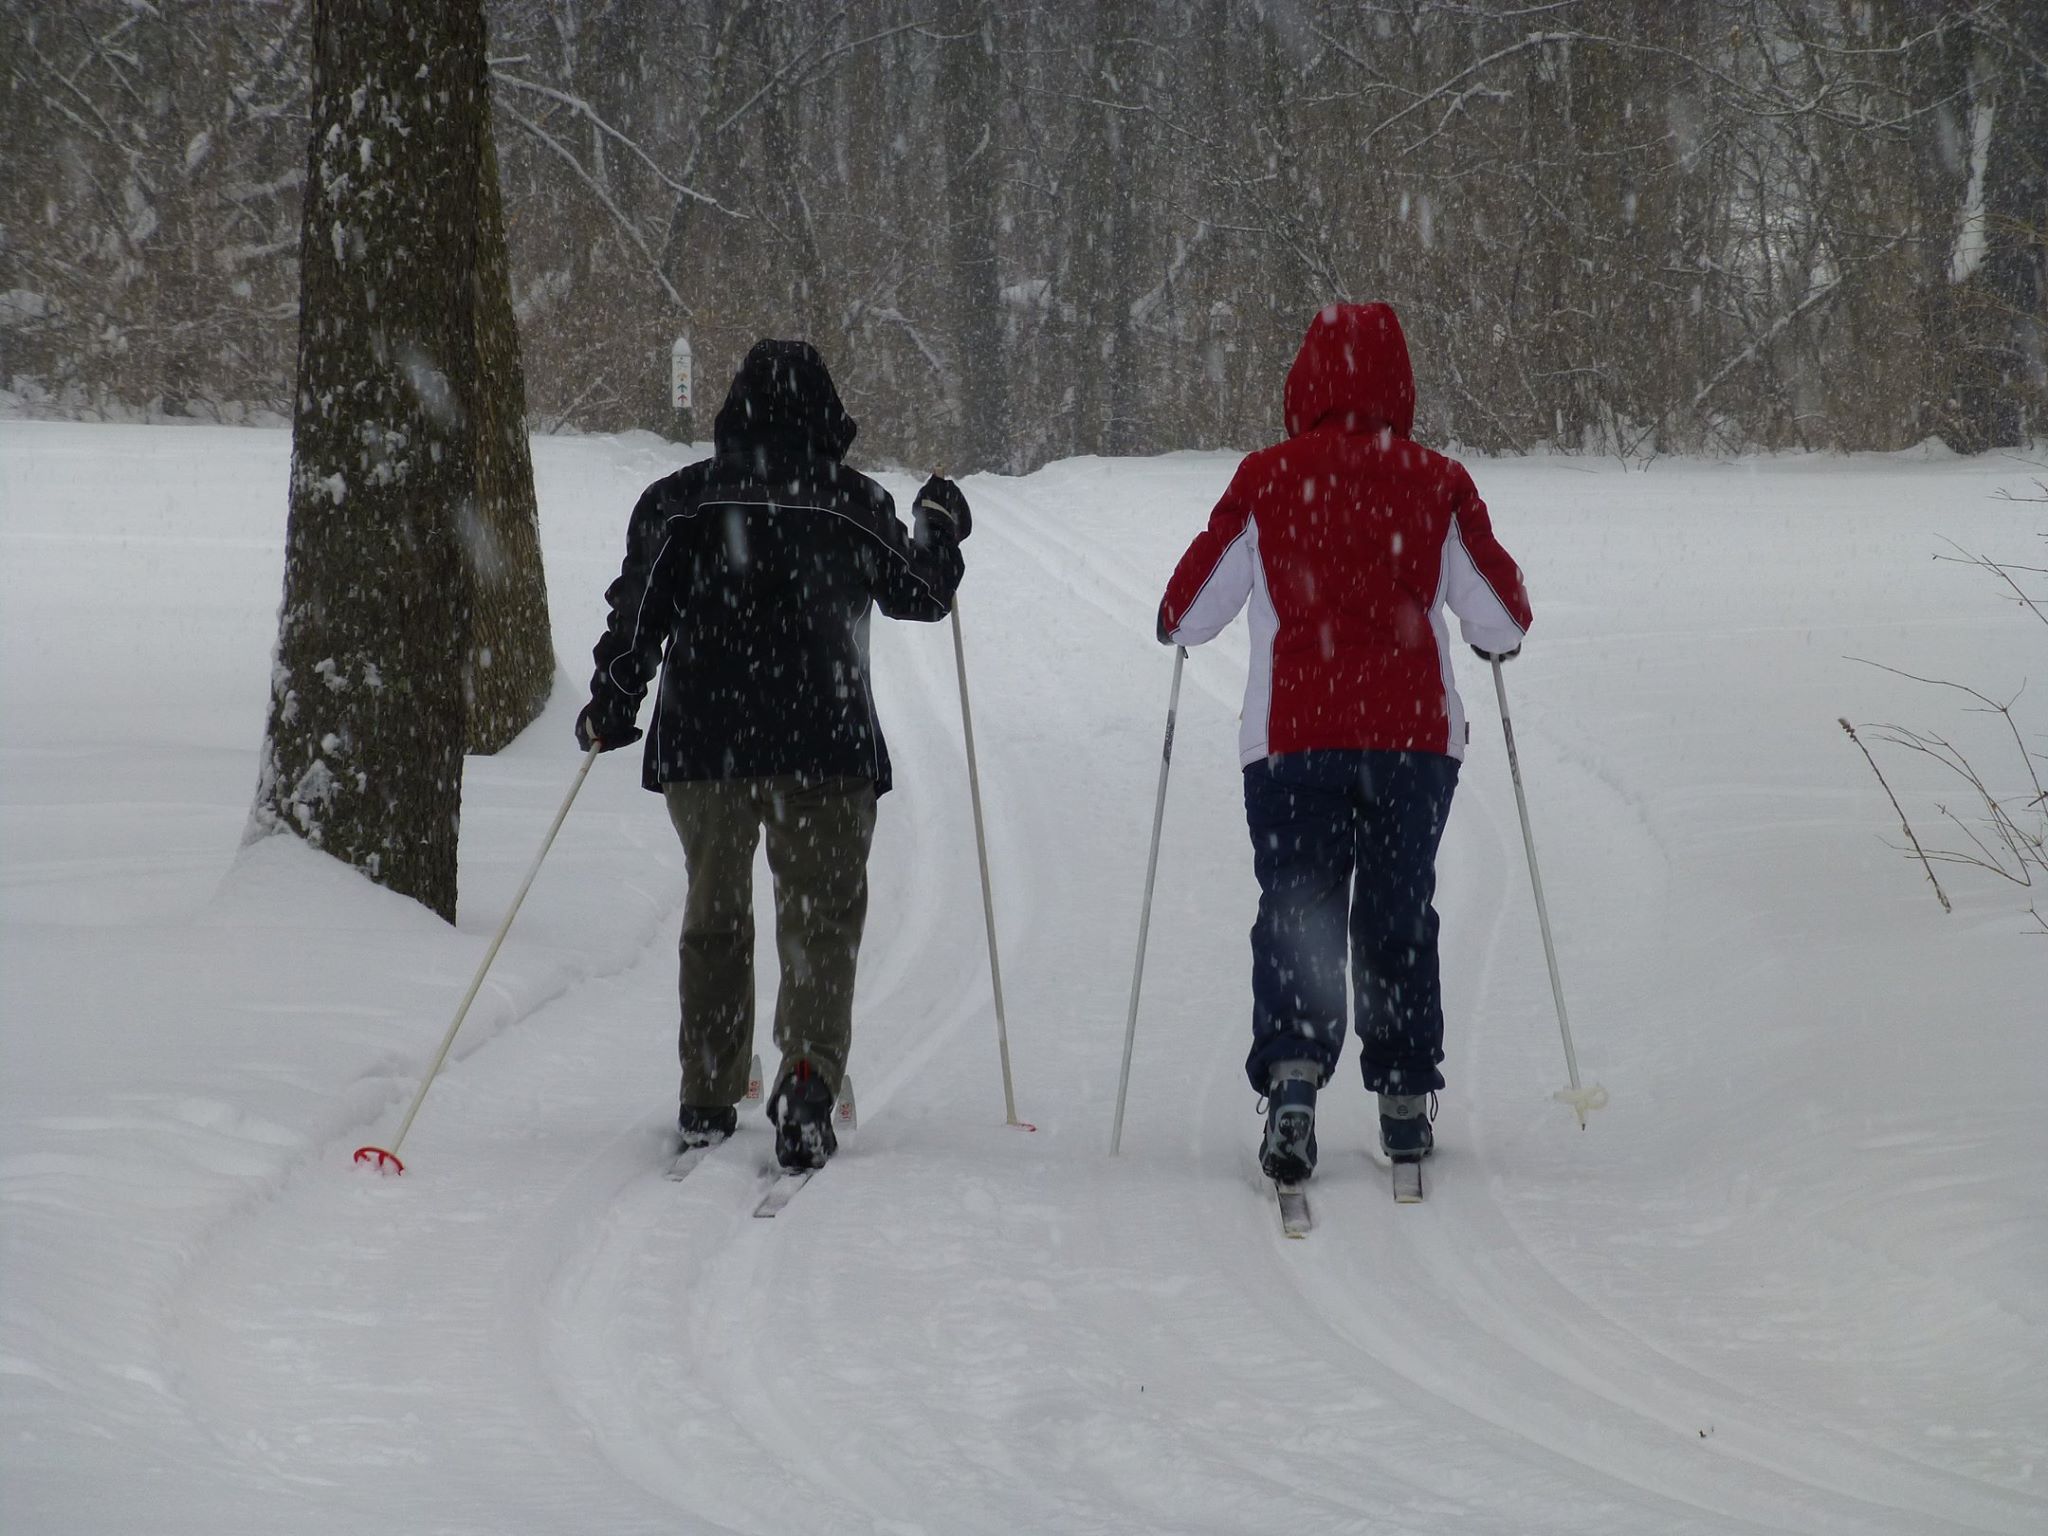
x: 1021, y: 232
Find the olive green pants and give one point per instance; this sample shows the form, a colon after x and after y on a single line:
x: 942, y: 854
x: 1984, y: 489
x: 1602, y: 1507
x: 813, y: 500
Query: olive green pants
x: 818, y: 840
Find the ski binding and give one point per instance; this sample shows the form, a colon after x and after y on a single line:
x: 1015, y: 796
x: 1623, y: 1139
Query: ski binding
x: 846, y: 1118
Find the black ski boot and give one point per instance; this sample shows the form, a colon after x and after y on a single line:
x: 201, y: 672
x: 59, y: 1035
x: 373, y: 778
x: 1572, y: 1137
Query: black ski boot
x: 702, y: 1127
x: 1288, y: 1154
x: 801, y: 1109
x: 1405, y: 1134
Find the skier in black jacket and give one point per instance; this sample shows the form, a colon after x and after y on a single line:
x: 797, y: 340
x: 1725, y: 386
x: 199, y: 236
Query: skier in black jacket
x: 749, y: 580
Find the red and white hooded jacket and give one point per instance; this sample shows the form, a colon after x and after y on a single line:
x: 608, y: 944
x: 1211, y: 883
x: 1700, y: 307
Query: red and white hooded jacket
x: 1348, y: 541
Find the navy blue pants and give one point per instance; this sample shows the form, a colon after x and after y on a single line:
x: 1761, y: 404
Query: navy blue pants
x: 1344, y: 844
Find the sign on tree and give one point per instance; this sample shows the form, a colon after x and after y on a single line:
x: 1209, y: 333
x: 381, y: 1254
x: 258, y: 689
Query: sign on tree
x: 679, y: 374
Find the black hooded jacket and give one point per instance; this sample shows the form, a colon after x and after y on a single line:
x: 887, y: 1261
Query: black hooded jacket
x: 749, y: 580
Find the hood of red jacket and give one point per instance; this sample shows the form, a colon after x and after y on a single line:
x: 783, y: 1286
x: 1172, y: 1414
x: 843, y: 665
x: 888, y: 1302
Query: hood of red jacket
x: 1353, y: 366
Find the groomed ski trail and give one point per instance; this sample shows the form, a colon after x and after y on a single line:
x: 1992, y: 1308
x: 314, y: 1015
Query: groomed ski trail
x: 965, y: 1328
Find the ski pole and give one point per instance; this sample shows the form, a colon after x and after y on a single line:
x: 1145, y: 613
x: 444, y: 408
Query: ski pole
x: 1116, y: 1135
x: 387, y: 1157
x: 988, y: 900
x: 1580, y: 1099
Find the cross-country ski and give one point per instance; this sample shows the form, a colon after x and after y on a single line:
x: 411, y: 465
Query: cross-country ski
x: 685, y: 1162
x: 1295, y: 1218
x: 784, y: 1189
x: 1407, y: 1180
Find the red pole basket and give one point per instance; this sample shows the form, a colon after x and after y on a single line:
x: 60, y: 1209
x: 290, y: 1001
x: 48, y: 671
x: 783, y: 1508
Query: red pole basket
x: 379, y: 1159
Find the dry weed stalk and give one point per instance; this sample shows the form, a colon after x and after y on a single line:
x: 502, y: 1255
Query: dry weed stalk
x: 2008, y: 834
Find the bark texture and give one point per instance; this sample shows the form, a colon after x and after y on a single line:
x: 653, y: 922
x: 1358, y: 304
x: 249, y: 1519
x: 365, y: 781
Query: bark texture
x: 511, y: 667
x: 363, y: 757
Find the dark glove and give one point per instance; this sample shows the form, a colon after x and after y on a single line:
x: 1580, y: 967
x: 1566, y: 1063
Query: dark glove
x: 1496, y: 655
x: 939, y: 498
x: 607, y: 725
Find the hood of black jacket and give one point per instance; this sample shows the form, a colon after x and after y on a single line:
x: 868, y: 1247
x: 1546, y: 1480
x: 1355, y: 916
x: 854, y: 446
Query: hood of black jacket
x: 783, y: 400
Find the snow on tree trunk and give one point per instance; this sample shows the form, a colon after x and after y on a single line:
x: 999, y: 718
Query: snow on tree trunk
x: 511, y: 667
x: 363, y: 757
x: 1984, y: 285
x: 1972, y: 234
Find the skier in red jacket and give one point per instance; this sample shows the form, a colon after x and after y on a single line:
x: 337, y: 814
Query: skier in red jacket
x: 1348, y: 540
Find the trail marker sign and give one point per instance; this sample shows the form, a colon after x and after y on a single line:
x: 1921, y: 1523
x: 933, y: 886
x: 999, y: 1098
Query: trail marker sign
x: 679, y: 380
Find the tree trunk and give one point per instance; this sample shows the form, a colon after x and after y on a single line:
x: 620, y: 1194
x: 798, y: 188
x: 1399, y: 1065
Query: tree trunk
x: 2003, y: 293
x: 511, y: 667
x: 363, y: 757
x: 967, y: 92
x: 1098, y: 265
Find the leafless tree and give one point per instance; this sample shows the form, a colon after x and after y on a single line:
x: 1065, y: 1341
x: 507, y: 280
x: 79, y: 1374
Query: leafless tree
x: 1024, y: 230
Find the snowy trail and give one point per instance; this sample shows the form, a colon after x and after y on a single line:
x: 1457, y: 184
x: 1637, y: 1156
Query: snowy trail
x: 519, y: 1259
x: 1600, y: 1360
x: 1754, y: 1297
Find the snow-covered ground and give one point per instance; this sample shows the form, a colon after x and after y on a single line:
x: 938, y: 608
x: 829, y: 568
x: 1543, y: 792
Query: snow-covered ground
x: 1794, y: 1278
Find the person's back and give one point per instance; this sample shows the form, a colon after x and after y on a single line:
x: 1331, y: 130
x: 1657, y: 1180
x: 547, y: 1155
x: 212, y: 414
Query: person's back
x: 1347, y: 539
x: 757, y: 569
x: 1346, y: 542
x: 749, y: 580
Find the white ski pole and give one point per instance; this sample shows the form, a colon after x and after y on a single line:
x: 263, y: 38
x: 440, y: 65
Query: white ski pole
x: 988, y: 900
x: 1580, y: 1099
x: 1116, y: 1135
x: 387, y: 1157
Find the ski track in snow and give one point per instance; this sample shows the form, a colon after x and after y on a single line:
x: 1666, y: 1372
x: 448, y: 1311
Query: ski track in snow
x: 961, y: 1326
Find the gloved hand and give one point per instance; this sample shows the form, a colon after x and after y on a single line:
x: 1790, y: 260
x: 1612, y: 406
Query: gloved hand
x: 1496, y: 655
x: 607, y: 725
x: 940, y: 498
